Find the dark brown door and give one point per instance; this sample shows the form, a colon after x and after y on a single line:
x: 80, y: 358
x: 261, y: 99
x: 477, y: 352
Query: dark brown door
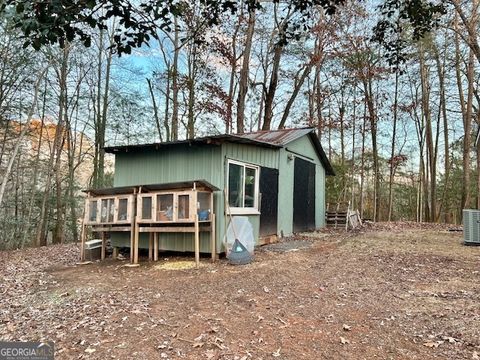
x: 269, y: 202
x: 303, y: 195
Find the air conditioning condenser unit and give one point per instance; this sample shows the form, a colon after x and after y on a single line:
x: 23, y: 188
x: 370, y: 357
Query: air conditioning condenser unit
x: 471, y: 226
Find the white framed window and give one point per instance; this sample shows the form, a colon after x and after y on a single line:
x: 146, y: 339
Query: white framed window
x: 242, y: 187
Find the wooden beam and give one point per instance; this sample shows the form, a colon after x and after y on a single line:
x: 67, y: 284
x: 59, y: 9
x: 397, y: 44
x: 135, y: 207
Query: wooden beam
x: 111, y: 228
x: 155, y: 246
x: 83, y: 237
x: 115, y: 253
x: 104, y: 238
x: 116, y: 203
x: 135, y: 247
x: 132, y: 239
x: 150, y: 247
x: 168, y: 229
x: 213, y: 240
x: 197, y: 242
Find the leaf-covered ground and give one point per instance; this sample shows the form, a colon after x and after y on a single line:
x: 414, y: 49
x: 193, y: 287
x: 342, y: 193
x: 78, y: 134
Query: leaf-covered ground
x: 391, y: 291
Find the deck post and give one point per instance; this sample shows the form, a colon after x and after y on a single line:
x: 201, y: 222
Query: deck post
x: 132, y: 243
x: 83, y: 235
x: 82, y: 245
x: 104, y: 235
x: 150, y: 246
x: 115, y: 253
x: 155, y: 246
x: 133, y: 224
x: 213, y: 240
x: 197, y: 242
x: 135, y: 247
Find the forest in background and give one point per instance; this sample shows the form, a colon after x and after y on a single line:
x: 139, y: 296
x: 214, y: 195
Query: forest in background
x: 401, y: 137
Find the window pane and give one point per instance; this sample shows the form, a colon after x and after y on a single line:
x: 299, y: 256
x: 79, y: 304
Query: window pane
x: 93, y: 210
x: 235, y: 185
x: 104, y: 211
x: 111, y: 209
x: 203, y: 206
x: 146, y: 208
x: 250, y: 187
x: 165, y: 207
x: 183, y: 207
x: 122, y: 209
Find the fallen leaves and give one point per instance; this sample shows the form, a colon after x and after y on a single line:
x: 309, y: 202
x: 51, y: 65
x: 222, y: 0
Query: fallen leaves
x: 198, y: 344
x: 450, y: 339
x: 288, y: 305
x: 276, y: 353
x: 209, y: 354
x: 432, y: 344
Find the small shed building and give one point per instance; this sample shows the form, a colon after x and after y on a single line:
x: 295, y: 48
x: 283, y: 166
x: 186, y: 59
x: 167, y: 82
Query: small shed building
x: 275, y: 178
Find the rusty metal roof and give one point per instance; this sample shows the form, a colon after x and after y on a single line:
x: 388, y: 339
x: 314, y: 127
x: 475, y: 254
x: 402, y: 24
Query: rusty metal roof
x: 284, y: 137
x: 278, y: 137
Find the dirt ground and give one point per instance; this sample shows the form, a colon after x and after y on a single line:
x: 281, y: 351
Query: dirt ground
x: 389, y: 291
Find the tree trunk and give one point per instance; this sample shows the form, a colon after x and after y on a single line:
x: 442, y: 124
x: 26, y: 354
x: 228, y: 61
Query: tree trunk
x: 175, y: 88
x: 166, y: 123
x: 155, y: 109
x: 367, y: 85
x: 341, y: 119
x: 318, y: 100
x: 19, y: 141
x: 71, y: 178
x: 466, y: 196
x: 362, y: 162
x: 443, y: 109
x: 471, y: 25
x: 272, y: 87
x: 430, y: 200
x: 392, y: 153
x: 296, y: 89
x: 97, y: 177
x: 58, y: 144
x: 478, y: 163
x: 244, y: 73
x: 192, y: 58
x: 33, y: 188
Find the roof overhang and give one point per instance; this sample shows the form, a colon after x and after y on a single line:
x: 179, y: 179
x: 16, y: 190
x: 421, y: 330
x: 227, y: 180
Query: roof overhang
x: 215, y: 140
x: 321, y: 154
x: 125, y: 190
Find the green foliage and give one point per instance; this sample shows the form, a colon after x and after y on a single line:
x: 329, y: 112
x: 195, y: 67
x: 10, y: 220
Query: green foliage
x: 336, y: 186
x: 418, y: 15
x: 108, y: 179
x: 60, y: 21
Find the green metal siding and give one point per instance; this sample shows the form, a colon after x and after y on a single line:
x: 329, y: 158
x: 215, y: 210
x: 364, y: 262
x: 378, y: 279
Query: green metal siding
x: 303, y: 148
x: 251, y: 154
x: 285, y: 194
x: 181, y: 242
x: 169, y: 165
x: 174, y: 164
